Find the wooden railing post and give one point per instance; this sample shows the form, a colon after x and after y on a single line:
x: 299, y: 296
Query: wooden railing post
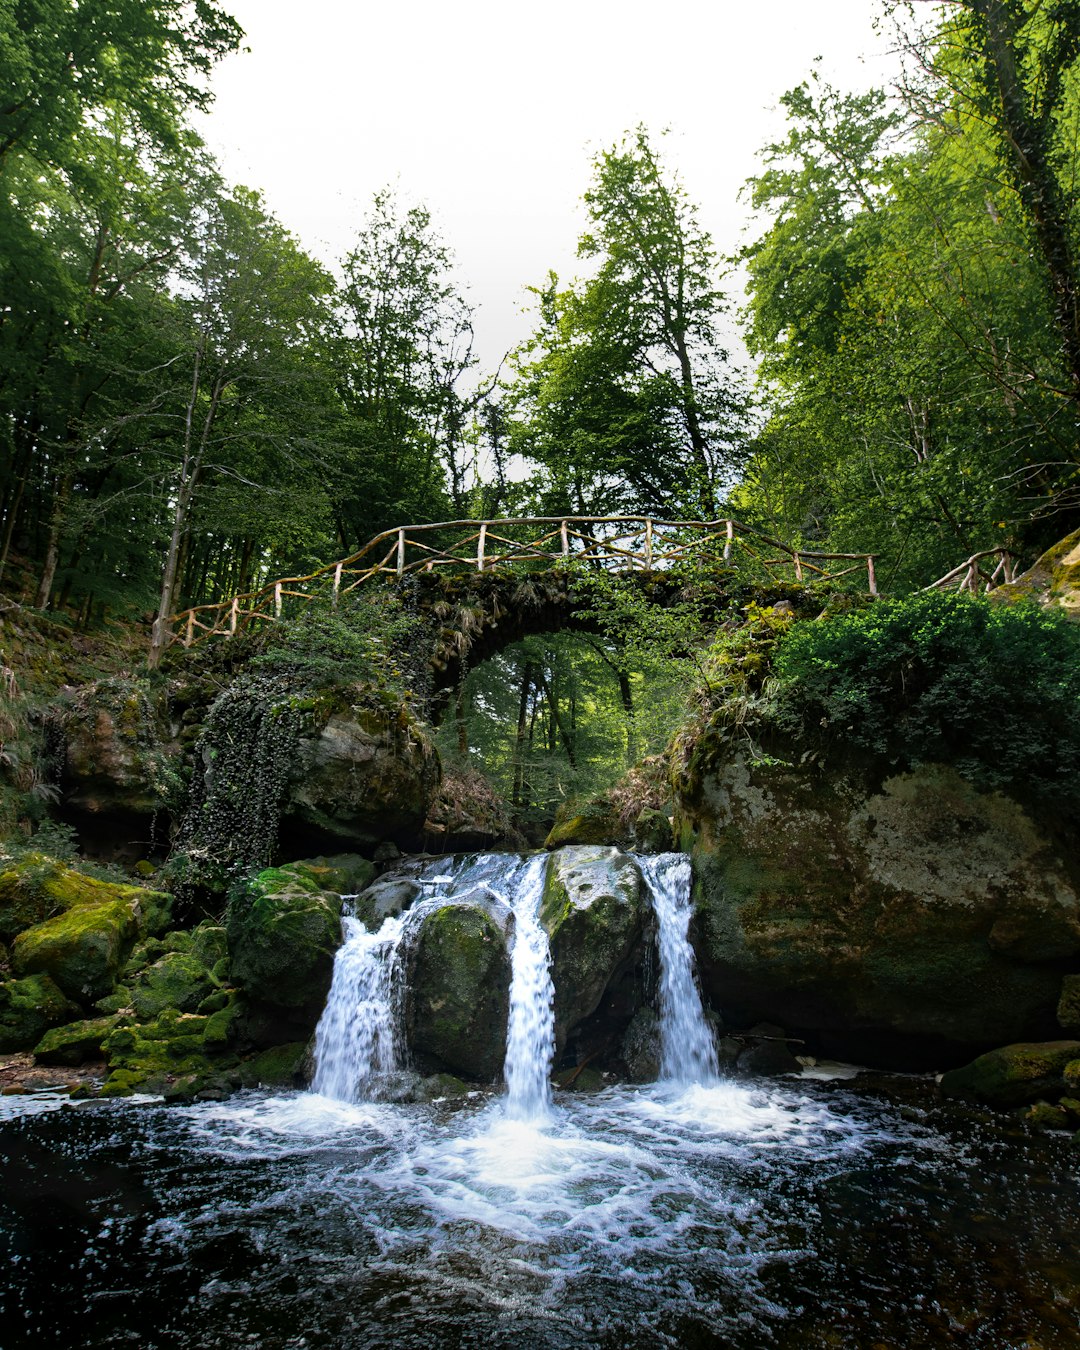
x: 190, y: 628
x: 337, y: 586
x: 871, y: 575
x: 234, y: 612
x: 798, y: 566
x: 730, y: 540
x: 277, y: 599
x: 481, y: 546
x: 648, y: 544
x: 401, y: 552
x: 565, y: 533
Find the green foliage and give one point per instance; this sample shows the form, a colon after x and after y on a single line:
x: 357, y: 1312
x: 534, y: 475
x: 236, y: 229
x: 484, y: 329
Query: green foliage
x: 243, y: 761
x: 375, y: 640
x: 920, y: 385
x: 624, y: 396
x: 993, y: 690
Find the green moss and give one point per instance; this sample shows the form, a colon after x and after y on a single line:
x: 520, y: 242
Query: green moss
x: 81, y: 950
x: 345, y: 874
x: 283, y: 932
x: 176, y: 980
x: 36, y: 889
x: 221, y: 1023
x: 280, y: 1066
x: 29, y: 1008
x: 1014, y: 1075
x: 75, y: 1043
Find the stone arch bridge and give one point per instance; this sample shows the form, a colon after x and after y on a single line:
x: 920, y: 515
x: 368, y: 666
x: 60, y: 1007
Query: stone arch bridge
x: 490, y: 583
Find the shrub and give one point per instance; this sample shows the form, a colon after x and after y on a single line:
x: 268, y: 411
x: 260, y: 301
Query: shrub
x: 992, y: 689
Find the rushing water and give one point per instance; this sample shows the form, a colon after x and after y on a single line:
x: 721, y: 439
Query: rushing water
x: 694, y: 1213
x: 687, y: 1047
x: 530, y: 1033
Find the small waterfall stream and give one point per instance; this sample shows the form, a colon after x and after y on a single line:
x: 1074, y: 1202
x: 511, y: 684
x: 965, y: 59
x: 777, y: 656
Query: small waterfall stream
x: 687, y: 1048
x: 530, y: 1033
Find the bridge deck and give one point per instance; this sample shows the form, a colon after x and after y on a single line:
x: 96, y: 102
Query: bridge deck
x: 614, y: 543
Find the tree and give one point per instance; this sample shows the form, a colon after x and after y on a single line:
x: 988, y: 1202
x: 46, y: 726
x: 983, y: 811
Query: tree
x: 252, y: 304
x: 64, y: 65
x: 625, y: 395
x: 405, y: 345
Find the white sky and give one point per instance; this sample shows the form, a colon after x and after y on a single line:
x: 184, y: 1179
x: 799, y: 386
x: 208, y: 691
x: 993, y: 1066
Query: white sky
x: 489, y: 113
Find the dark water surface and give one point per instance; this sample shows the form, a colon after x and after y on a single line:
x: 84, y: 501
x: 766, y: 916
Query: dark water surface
x: 800, y: 1215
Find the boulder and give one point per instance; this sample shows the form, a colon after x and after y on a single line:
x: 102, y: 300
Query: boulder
x: 1068, y: 1008
x: 283, y: 931
x: 116, y: 760
x: 1014, y: 1075
x: 28, y: 1009
x: 459, y: 982
x: 906, y: 919
x: 593, y: 909
x: 1054, y: 579
x: 177, y: 980
x: 37, y: 888
x: 75, y: 1043
x: 83, y: 947
x: 641, y: 1047
x: 363, y: 776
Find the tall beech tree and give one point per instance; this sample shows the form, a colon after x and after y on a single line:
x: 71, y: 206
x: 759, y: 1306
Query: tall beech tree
x: 625, y: 395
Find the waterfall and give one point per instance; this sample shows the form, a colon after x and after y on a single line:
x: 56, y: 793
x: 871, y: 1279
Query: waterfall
x: 530, y: 1031
x: 359, y: 1039
x: 357, y: 1036
x: 687, y: 1049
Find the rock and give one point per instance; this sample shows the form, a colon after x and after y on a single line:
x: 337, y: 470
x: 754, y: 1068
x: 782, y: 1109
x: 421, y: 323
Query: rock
x: 283, y: 931
x: 641, y: 1047
x: 363, y: 777
x: 652, y: 832
x: 83, y: 948
x: 593, y: 822
x: 1044, y: 1116
x: 912, y: 918
x: 117, y: 762
x: 1068, y: 1008
x: 438, y: 1087
x: 280, y: 1066
x: 345, y: 873
x: 152, y: 1055
x: 177, y: 980
x: 459, y: 981
x: 75, y: 1043
x: 766, y: 1053
x: 28, y: 1009
x: 38, y: 888
x: 1053, y: 580
x: 1014, y: 1075
x: 593, y: 909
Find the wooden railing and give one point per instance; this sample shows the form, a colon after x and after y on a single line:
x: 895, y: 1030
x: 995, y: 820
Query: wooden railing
x: 975, y: 574
x: 616, y: 543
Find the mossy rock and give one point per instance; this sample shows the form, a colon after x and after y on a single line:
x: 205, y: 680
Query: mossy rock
x: 280, y: 1066
x: 1015, y: 1075
x: 1068, y: 1008
x: 283, y: 931
x: 345, y: 873
x: 156, y: 1053
x: 909, y: 910
x: 176, y: 980
x: 593, y: 822
x: 1046, y: 1116
x: 75, y: 1043
x: 37, y: 889
x: 459, y: 990
x: 81, y: 950
x: 593, y: 909
x: 1054, y: 579
x: 28, y: 1009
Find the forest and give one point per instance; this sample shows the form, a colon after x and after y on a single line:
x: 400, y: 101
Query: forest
x: 192, y: 405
